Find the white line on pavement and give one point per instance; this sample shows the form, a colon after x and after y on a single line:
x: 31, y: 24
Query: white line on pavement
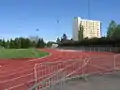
x: 15, y: 86
x: 16, y: 78
x: 13, y: 73
x: 40, y: 58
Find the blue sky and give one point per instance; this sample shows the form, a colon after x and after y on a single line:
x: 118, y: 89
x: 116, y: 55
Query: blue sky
x: 23, y: 17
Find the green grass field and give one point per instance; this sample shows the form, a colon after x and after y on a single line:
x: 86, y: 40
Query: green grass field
x: 21, y: 53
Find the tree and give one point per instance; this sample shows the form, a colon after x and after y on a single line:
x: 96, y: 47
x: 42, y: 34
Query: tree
x: 64, y: 37
x: 7, y: 44
x: 17, y: 43
x: 33, y: 44
x: 27, y: 43
x: 49, y: 44
x: 12, y: 45
x: 58, y: 40
x: 40, y: 43
x: 3, y: 43
x: 116, y: 33
x: 111, y: 29
x: 80, y: 33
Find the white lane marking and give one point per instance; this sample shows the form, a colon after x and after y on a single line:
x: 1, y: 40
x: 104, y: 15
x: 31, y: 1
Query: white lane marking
x: 28, y: 81
x: 28, y: 61
x: 20, y: 77
x: 15, y: 86
x: 40, y: 58
x: 14, y: 70
x: 13, y: 73
x: 21, y: 70
x: 32, y: 80
x: 15, y: 78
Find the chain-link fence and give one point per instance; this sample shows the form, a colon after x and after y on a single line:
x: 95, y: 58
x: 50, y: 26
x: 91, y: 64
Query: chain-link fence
x: 94, y: 49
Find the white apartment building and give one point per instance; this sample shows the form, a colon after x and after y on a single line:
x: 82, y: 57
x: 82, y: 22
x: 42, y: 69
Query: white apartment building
x: 92, y: 28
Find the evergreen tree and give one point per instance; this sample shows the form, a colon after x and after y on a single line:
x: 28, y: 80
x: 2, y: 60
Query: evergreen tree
x: 116, y: 33
x: 111, y: 29
x: 80, y: 33
x: 38, y: 43
x: 12, y: 44
x: 58, y: 40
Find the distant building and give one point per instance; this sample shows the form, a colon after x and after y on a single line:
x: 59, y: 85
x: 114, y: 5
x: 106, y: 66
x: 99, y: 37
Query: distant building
x: 92, y: 28
x: 54, y: 45
x: 34, y: 38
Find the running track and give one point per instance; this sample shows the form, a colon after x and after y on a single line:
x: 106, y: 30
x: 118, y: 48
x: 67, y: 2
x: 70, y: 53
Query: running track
x: 18, y: 74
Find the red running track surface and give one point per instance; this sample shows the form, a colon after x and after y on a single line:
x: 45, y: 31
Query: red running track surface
x: 19, y: 74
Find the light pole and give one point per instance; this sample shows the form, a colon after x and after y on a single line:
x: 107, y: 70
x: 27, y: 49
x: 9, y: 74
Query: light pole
x: 37, y: 37
x: 37, y: 30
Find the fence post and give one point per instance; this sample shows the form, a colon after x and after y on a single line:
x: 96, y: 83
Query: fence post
x: 61, y: 81
x: 110, y: 49
x: 90, y: 49
x: 115, y: 56
x: 114, y: 62
x: 35, y: 75
x: 82, y: 69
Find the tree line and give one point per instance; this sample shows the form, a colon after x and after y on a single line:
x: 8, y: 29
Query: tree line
x: 111, y: 39
x: 22, y: 43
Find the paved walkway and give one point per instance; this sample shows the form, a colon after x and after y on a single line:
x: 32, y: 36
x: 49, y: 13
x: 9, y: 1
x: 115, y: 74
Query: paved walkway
x: 96, y: 82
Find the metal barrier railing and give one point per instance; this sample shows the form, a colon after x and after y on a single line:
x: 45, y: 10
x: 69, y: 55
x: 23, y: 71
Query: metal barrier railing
x: 58, y: 72
x: 62, y: 68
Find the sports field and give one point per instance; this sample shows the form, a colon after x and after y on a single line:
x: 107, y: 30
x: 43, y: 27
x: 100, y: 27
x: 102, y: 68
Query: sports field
x: 21, y: 53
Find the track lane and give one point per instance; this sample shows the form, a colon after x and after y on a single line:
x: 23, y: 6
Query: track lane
x: 18, y: 82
